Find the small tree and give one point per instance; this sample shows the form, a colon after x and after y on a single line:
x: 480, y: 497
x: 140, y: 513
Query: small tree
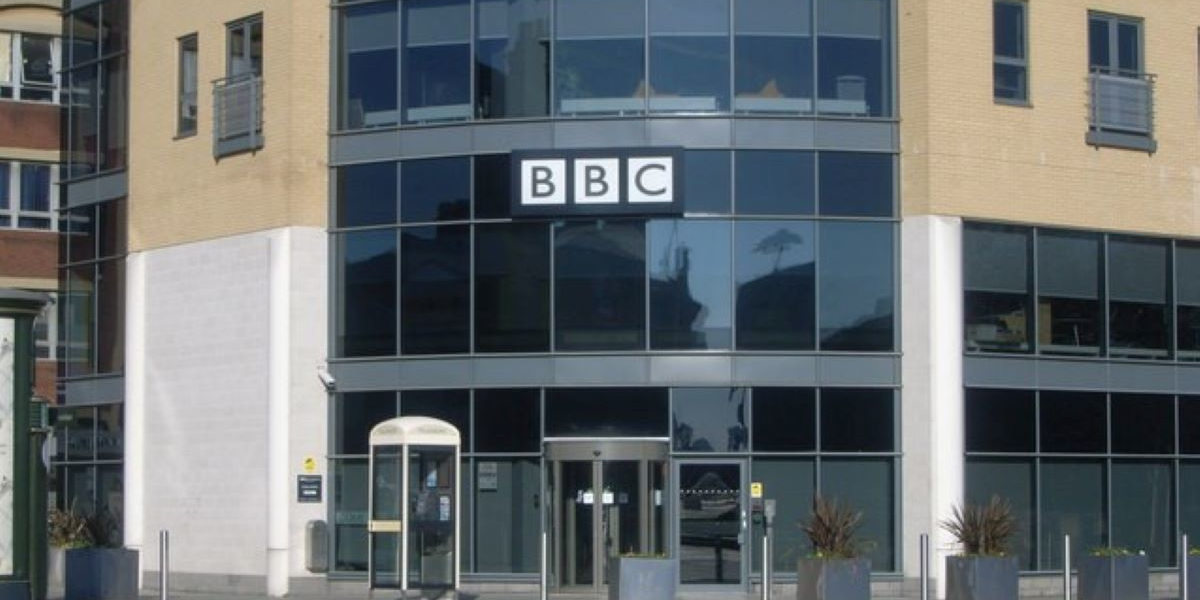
x: 983, y: 529
x: 832, y: 527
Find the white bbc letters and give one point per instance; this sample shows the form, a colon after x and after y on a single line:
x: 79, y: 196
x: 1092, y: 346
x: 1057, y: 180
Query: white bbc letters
x: 650, y: 179
x: 597, y: 181
x: 543, y: 182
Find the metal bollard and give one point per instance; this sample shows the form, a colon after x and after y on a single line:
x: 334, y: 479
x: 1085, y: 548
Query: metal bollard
x: 924, y: 566
x: 766, y: 568
x: 1066, y: 567
x: 1183, y: 570
x: 544, y: 580
x: 164, y: 563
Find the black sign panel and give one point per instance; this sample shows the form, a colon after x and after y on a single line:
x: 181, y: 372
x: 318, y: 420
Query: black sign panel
x: 308, y: 488
x: 608, y: 181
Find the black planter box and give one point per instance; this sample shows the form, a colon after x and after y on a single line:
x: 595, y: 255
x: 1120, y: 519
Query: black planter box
x: 981, y: 578
x: 632, y: 578
x: 833, y: 579
x: 1114, y: 578
x: 101, y: 574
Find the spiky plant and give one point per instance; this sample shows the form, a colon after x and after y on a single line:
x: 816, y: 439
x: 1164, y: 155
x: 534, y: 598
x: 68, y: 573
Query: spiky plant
x: 832, y: 527
x: 983, y: 529
x: 69, y: 529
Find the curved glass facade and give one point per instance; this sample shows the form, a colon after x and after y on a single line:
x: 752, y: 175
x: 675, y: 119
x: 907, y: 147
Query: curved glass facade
x: 435, y: 61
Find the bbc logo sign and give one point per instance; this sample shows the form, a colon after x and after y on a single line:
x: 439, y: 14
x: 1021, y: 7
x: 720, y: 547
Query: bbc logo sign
x: 597, y: 182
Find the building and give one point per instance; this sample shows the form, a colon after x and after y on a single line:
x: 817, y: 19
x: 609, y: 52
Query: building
x: 916, y: 254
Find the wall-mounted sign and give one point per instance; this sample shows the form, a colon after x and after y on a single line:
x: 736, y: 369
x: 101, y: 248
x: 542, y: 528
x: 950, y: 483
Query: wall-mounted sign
x: 308, y: 488
x: 489, y: 476
x: 610, y: 181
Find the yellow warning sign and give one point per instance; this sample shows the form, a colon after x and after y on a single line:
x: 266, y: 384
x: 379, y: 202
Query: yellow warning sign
x: 756, y: 489
x: 310, y: 464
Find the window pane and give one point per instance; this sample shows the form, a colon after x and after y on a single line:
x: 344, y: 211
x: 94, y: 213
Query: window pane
x: 5, y: 170
x: 773, y: 50
x: 74, y: 430
x: 1138, y: 292
x: 35, y: 187
x: 857, y: 286
x: 38, y: 58
x: 369, y: 85
x: 867, y: 485
x: 1009, y: 23
x: 1011, y: 480
x: 857, y: 420
x: 600, y: 285
x: 492, y: 186
x: 437, y: 189
x: 1000, y: 421
x: 508, y: 420
x: 113, y: 127
x: 512, y: 61
x: 1189, y: 425
x: 356, y: 414
x: 81, y: 119
x: 367, y: 194
x: 1143, y: 424
x: 1072, y: 495
x: 85, y: 31
x: 853, y: 47
x: 689, y: 55
x: 507, y: 514
x: 110, y: 321
x: 690, y: 285
x: 188, y: 73
x: 110, y: 230
x: 1128, y: 47
x: 1073, y: 422
x: 116, y: 27
x: 775, y: 182
x: 1143, y: 509
x: 707, y: 184
x: 1187, y: 287
x: 774, y: 269
x: 80, y: 320
x: 512, y: 287
x: 437, y: 61
x: 1189, y: 496
x: 599, y: 56
x: 349, y: 491
x: 435, y: 289
x: 368, y: 270
x: 785, y: 419
x: 1069, y: 292
x: 1098, y: 43
x: 856, y: 184
x: 451, y: 406
x: 791, y: 483
x: 1010, y: 82
x: 110, y: 432
x: 709, y: 419
x: 996, y: 278
x: 606, y: 412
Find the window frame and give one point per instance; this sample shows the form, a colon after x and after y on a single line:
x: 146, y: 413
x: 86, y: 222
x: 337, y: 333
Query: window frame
x: 1021, y: 62
x: 1112, y: 21
x: 15, y: 87
x: 182, y: 127
x: 245, y: 26
x: 12, y: 213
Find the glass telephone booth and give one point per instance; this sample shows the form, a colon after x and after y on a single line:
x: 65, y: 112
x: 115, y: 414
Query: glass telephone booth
x: 413, y: 504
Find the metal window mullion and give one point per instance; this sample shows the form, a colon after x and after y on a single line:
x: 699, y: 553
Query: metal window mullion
x: 399, y: 289
x: 553, y: 328
x: 1105, y: 308
x: 646, y: 33
x: 472, y: 91
x: 646, y: 283
x: 1034, y: 287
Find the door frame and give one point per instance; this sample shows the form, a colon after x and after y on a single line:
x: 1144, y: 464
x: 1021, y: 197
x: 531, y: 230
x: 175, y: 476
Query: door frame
x: 744, y: 536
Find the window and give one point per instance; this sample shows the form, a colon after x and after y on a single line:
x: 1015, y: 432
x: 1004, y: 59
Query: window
x: 245, y: 46
x: 436, y: 60
x: 1121, y: 92
x: 45, y: 330
x: 1010, y: 68
x: 28, y: 197
x: 29, y: 66
x: 188, y: 48
x: 1115, y: 44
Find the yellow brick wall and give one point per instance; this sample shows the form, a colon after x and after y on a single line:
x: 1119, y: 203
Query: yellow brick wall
x: 963, y: 154
x: 178, y: 192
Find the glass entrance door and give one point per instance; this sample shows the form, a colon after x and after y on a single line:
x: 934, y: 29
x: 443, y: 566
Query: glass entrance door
x: 712, y: 523
x: 606, y: 500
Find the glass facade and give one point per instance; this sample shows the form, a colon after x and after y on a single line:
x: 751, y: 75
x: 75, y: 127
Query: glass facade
x: 92, y: 289
x: 86, y: 470
x: 95, y: 82
x: 432, y: 61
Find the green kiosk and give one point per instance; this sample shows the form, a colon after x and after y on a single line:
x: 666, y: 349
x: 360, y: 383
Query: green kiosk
x: 22, y: 473
x: 413, y: 505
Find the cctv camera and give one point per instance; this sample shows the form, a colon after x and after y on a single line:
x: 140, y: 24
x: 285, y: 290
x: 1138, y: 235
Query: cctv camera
x: 326, y: 378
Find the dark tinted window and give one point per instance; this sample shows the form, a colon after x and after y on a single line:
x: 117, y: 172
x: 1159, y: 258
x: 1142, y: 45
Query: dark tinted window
x: 854, y: 57
x: 1012, y: 480
x: 1189, y: 424
x: 773, y: 56
x: 689, y: 55
x: 775, y: 269
x: 1000, y: 421
x: 356, y: 415
x: 436, y: 189
x: 689, y: 285
x: 1137, y: 292
x: 435, y: 289
x: 1143, y: 509
x: 512, y: 287
x: 857, y: 287
x: 707, y: 184
x: 709, y: 419
x: 1069, y: 267
x: 492, y: 186
x: 367, y: 194
x: 856, y: 184
x: 369, y: 37
x: 368, y: 309
x: 615, y: 412
x: 110, y: 321
x: 451, y: 406
x: 512, y: 58
x: 774, y: 182
x: 600, y: 290
x: 599, y: 56
x: 996, y: 277
x: 110, y: 229
x: 1143, y: 424
x: 785, y: 419
x: 508, y: 420
x: 82, y: 223
x: 857, y: 420
x: 437, y: 61
x: 1073, y: 422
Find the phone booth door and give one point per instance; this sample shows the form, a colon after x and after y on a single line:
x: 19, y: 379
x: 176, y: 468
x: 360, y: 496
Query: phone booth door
x: 386, y: 521
x: 431, y: 515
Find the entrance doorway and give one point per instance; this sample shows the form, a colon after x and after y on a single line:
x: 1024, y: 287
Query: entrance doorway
x: 607, y: 498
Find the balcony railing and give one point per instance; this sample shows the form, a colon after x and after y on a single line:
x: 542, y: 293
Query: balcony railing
x: 237, y: 114
x: 1121, y: 109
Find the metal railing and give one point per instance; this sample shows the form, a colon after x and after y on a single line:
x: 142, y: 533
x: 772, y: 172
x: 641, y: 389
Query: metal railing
x: 237, y: 113
x: 1121, y: 102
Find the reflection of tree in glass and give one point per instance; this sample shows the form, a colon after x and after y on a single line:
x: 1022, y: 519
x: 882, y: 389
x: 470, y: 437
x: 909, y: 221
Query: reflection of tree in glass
x: 779, y: 242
